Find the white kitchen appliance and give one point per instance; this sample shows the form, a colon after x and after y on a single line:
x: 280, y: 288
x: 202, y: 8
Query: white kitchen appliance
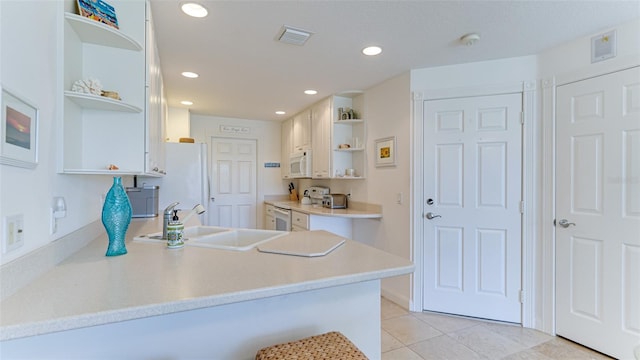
x: 316, y: 193
x: 282, y: 218
x: 300, y: 164
x: 187, y: 178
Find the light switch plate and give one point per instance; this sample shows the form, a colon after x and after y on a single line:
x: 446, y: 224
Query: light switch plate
x: 13, y: 236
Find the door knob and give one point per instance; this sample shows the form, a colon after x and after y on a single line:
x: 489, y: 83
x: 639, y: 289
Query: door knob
x: 565, y: 223
x: 431, y: 215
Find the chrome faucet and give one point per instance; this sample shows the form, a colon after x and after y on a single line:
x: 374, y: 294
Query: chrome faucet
x: 168, y: 215
x: 197, y: 210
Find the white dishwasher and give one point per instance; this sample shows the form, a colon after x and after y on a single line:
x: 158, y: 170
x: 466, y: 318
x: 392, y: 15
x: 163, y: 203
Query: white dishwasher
x: 282, y: 218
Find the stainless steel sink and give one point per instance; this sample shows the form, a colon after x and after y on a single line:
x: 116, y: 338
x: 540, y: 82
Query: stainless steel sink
x: 218, y: 237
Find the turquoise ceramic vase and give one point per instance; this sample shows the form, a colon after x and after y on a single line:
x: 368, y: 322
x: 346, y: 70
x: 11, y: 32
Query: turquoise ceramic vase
x: 116, y: 216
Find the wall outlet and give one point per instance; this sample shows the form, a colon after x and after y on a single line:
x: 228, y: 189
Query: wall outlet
x: 13, y: 236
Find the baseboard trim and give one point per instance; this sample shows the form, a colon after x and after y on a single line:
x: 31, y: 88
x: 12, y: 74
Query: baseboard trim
x: 399, y: 299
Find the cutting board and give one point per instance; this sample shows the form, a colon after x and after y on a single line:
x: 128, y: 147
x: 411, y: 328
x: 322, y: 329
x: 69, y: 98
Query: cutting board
x: 303, y: 243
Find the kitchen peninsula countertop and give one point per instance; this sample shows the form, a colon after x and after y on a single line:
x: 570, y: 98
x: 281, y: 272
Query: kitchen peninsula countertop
x: 356, y: 211
x: 89, y: 289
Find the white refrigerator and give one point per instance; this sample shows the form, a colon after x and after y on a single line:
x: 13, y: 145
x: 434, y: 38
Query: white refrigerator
x: 187, y: 178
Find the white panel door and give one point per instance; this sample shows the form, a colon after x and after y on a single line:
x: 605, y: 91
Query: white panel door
x: 233, y: 193
x: 472, y: 180
x: 598, y: 196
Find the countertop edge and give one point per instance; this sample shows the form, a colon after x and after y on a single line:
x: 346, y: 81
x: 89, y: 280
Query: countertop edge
x: 12, y: 332
x: 320, y: 211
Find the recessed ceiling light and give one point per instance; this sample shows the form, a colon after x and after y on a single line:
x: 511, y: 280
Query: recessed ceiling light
x: 310, y: 92
x: 194, y: 9
x: 186, y: 102
x: 280, y: 112
x: 190, y: 74
x: 372, y: 50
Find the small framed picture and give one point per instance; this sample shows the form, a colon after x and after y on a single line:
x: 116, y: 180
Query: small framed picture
x: 19, y: 132
x: 385, y: 149
x: 98, y: 10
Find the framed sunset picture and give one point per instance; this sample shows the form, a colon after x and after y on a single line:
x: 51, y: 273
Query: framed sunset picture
x: 19, y: 131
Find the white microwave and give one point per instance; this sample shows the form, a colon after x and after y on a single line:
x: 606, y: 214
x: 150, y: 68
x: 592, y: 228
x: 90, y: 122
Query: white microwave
x: 300, y: 164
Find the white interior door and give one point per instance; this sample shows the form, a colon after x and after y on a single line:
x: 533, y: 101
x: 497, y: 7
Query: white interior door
x: 598, y: 194
x: 473, y: 187
x: 233, y: 194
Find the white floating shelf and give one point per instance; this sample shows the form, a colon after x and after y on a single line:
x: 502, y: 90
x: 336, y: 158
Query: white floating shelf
x: 101, y: 172
x: 348, y: 177
x: 94, y: 32
x: 95, y: 102
x: 349, y: 122
x: 349, y: 149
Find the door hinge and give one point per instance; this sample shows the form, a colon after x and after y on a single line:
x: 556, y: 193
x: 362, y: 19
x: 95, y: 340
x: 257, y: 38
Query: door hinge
x: 521, y: 207
x: 521, y: 296
x: 522, y: 117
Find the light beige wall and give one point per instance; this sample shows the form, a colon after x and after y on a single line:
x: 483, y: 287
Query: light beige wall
x: 178, y: 125
x: 387, y: 110
x: 575, y: 56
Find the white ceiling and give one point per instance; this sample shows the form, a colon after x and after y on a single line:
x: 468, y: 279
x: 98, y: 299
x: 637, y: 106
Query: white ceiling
x: 245, y: 73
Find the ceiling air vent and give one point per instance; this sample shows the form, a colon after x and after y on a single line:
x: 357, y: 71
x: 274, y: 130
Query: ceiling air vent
x: 290, y: 35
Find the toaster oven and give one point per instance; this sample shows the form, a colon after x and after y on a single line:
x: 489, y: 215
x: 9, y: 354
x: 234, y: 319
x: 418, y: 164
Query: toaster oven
x: 334, y: 201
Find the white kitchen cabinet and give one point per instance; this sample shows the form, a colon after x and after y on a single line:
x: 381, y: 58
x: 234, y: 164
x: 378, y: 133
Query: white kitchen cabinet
x: 300, y: 220
x: 269, y: 217
x: 301, y: 139
x: 286, y: 148
x: 337, y: 144
x: 97, y: 131
x: 155, y: 131
x: 338, y: 225
x: 329, y: 137
x: 321, y: 139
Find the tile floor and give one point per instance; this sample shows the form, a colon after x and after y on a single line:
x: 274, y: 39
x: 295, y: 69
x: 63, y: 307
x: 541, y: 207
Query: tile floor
x: 418, y: 336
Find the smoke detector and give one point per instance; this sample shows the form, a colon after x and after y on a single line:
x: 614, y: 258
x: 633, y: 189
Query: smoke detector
x: 470, y: 39
x: 294, y: 36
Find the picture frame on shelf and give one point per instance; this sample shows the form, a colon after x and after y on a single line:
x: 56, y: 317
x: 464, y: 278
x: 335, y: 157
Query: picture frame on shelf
x: 98, y: 10
x: 385, y: 151
x: 18, y: 132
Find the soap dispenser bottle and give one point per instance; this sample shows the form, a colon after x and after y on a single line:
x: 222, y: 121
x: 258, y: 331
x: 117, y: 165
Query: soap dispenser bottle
x: 175, y: 231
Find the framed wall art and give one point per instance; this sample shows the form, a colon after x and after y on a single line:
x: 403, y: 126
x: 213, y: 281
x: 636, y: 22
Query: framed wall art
x: 98, y: 10
x: 18, y: 132
x: 385, y: 149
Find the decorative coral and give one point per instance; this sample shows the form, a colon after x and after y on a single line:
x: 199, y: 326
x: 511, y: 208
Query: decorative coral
x: 88, y: 86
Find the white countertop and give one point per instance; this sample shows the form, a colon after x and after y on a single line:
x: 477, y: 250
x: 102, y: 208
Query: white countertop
x: 90, y: 289
x: 358, y: 211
